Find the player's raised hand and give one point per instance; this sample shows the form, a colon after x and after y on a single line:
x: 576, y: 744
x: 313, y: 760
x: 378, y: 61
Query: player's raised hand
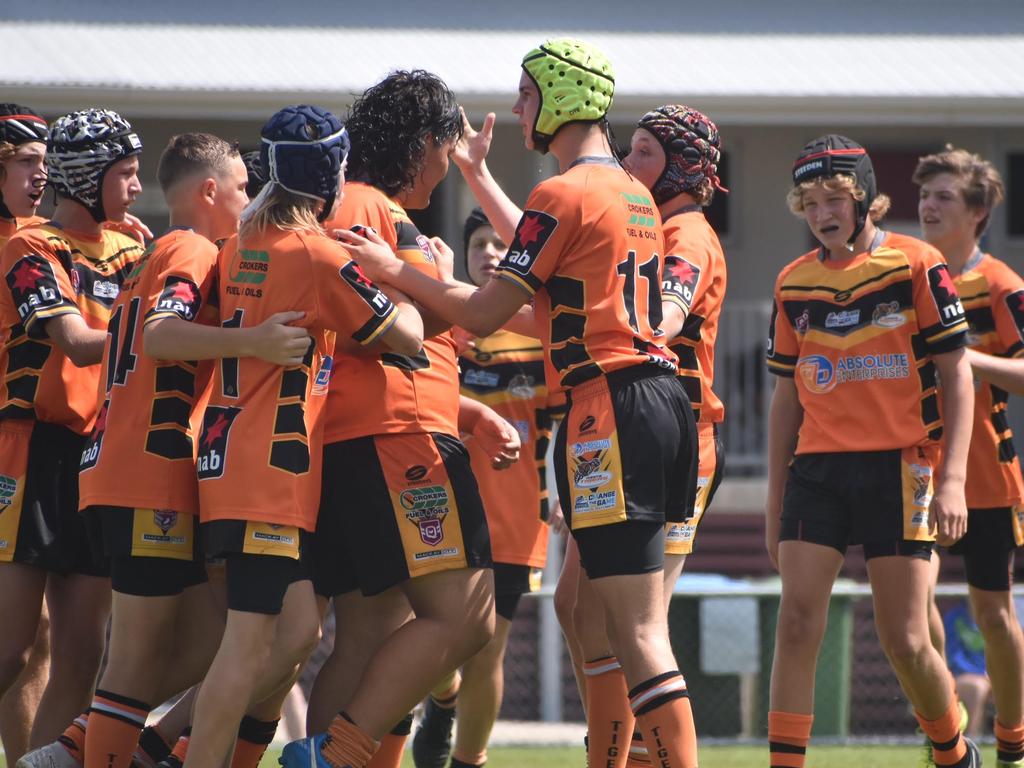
x: 498, y: 438
x: 472, y: 148
x: 374, y: 256
x: 278, y: 342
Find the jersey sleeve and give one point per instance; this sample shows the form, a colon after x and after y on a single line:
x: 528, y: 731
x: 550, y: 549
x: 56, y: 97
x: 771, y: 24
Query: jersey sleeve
x: 1008, y: 310
x: 347, y: 301
x: 39, y: 286
x: 547, y: 225
x: 940, y: 315
x: 783, y: 345
x: 412, y: 247
x: 185, y: 280
x: 687, y: 262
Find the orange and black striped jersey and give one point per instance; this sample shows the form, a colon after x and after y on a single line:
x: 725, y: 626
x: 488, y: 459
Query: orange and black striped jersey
x: 993, y: 299
x: 261, y: 442
x: 389, y: 393
x: 859, y: 337
x: 149, y: 409
x: 48, y: 272
x: 589, y: 249
x: 505, y: 371
x: 694, y: 278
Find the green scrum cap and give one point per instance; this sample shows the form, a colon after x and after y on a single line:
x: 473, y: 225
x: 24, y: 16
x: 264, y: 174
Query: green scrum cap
x: 575, y: 82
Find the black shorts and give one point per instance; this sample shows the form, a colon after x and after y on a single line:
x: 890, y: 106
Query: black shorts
x: 39, y: 520
x: 988, y: 545
x: 878, y: 499
x: 261, y: 561
x: 511, y: 582
x: 626, y: 451
x: 152, y: 553
x: 395, y: 507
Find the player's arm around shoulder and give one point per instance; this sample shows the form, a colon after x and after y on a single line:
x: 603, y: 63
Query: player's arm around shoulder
x: 348, y: 301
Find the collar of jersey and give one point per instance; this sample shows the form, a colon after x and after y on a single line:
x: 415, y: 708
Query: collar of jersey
x: 595, y: 160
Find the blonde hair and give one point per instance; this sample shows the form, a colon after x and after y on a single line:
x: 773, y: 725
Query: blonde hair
x: 839, y: 183
x: 277, y: 208
x: 980, y: 182
x: 7, y: 150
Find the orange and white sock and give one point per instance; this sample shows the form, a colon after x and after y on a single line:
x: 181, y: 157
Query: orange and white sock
x: 664, y: 716
x: 115, y: 723
x: 610, y: 721
x: 348, y: 745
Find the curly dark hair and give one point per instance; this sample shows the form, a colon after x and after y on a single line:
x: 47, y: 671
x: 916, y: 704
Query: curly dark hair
x: 389, y: 125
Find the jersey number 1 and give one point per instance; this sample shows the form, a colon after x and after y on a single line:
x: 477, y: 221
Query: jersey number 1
x: 648, y: 271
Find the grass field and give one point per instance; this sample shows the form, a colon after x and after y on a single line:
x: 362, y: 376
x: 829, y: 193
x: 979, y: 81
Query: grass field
x: 710, y: 757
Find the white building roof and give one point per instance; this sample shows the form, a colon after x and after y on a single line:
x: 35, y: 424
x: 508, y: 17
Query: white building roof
x: 246, y: 71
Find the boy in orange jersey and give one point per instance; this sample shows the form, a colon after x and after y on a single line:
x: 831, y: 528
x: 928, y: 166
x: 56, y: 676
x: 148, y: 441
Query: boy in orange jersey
x: 149, y: 411
x: 674, y: 152
x: 860, y: 330
x: 959, y: 190
x: 594, y: 275
x: 392, y: 449
x: 506, y: 371
x: 260, y: 447
x: 62, y: 279
x: 22, y: 180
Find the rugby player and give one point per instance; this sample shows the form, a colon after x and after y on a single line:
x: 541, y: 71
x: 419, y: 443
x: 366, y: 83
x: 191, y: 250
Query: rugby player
x: 860, y: 329
x: 958, y: 192
x: 595, y: 278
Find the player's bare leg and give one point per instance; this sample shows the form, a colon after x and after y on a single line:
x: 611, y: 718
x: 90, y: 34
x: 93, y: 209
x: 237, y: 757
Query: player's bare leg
x: 808, y: 572
x: 483, y: 685
x: 565, y: 607
x: 1004, y: 652
x: 22, y: 589
x: 362, y: 624
x: 78, y: 606
x: 901, y: 619
x: 242, y: 666
x: 454, y: 619
x: 21, y: 700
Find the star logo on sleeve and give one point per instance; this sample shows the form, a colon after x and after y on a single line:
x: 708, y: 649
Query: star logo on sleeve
x: 680, y: 279
x: 531, y: 235
x: 184, y: 292
x: 26, y: 276
x: 943, y: 290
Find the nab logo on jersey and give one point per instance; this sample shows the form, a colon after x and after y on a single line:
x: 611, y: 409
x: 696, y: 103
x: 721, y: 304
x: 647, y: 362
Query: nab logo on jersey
x: 681, y: 278
x: 213, y: 442
x: 368, y: 292
x: 532, y: 233
x: 180, y: 296
x: 951, y: 311
x: 1015, y: 303
x: 93, y: 446
x: 33, y: 285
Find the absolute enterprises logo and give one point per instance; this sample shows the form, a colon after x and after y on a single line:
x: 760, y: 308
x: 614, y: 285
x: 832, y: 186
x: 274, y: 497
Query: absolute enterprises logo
x: 820, y: 375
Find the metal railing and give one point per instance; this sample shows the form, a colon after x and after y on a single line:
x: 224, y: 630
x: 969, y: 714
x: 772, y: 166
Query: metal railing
x: 744, y: 384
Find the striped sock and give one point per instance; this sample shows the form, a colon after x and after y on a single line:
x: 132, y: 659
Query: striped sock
x: 788, y: 734
x: 73, y: 738
x: 609, y: 719
x: 254, y: 736
x: 948, y: 748
x: 180, y: 750
x: 663, y: 713
x: 392, y: 745
x: 1009, y: 742
x: 638, y: 757
x: 115, y: 723
x: 348, y: 745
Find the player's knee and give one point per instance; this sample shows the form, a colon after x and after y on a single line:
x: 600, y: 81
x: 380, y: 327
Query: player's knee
x: 799, y: 624
x: 565, y: 606
x: 996, y: 621
x: 13, y: 660
x: 905, y: 650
